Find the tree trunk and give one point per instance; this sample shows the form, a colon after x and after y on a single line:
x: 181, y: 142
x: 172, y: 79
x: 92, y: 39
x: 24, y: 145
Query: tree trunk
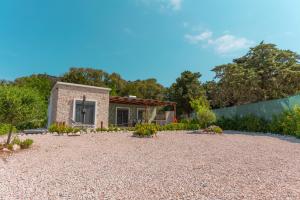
x: 9, y: 134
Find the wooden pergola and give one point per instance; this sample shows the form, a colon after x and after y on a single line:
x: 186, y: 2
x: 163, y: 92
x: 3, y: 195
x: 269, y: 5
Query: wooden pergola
x: 143, y: 102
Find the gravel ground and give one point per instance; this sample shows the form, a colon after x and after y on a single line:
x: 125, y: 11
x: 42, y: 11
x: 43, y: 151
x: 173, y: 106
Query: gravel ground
x: 170, y: 166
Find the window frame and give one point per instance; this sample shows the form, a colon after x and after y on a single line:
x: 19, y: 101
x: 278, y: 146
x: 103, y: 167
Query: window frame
x: 137, y: 112
x: 87, y: 100
x: 116, y: 114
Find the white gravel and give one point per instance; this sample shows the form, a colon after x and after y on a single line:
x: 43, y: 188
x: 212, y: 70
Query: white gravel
x: 170, y: 166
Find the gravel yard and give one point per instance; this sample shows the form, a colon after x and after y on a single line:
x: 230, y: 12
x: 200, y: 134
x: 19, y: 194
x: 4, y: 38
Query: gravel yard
x: 170, y: 166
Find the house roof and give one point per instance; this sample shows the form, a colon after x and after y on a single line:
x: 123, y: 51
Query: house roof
x: 139, y: 101
x: 80, y: 85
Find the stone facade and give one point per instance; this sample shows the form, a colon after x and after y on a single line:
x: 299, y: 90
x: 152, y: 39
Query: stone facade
x: 64, y: 95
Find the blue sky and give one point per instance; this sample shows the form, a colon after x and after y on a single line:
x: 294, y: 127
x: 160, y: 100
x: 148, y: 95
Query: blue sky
x: 139, y: 38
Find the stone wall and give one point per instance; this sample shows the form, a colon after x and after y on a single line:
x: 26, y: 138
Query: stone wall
x: 63, y: 96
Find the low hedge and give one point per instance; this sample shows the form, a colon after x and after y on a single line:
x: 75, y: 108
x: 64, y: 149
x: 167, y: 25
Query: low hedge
x: 287, y: 123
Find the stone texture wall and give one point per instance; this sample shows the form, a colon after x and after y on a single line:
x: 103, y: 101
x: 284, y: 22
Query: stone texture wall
x: 63, y: 97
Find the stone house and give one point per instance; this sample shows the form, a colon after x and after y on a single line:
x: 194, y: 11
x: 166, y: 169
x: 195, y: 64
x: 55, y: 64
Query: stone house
x: 77, y: 105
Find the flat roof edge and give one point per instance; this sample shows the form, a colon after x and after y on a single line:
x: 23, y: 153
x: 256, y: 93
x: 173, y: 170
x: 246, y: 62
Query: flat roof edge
x: 80, y: 85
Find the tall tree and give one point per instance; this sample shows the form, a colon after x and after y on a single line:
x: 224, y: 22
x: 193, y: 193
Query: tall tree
x: 148, y: 89
x: 86, y: 76
x: 42, y: 83
x: 19, y: 105
x: 116, y: 83
x: 264, y: 73
x: 186, y: 88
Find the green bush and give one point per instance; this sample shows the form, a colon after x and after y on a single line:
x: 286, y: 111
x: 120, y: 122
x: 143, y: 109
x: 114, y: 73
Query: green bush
x: 26, y: 143
x: 245, y: 123
x: 61, y: 129
x: 178, y: 126
x: 16, y: 140
x: 213, y: 129
x: 145, y: 130
x: 4, y: 129
x: 287, y: 123
x: 205, y: 116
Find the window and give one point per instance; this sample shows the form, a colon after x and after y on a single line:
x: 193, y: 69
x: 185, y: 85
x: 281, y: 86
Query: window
x: 141, y: 114
x: 89, y: 110
x: 122, y: 116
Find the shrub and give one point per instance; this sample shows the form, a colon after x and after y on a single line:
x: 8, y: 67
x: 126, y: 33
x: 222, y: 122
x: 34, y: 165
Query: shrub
x: 145, y: 130
x: 16, y: 140
x: 61, y: 129
x: 245, y: 123
x: 10, y: 146
x: 287, y: 123
x: 4, y: 129
x: 178, y: 126
x: 101, y: 129
x: 205, y: 116
x: 26, y: 143
x: 214, y: 129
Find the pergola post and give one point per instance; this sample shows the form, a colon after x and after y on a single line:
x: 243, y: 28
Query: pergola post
x: 174, y: 106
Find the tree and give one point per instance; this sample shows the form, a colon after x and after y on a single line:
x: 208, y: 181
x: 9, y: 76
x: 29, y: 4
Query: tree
x: 19, y: 105
x: 4, y: 82
x: 42, y: 83
x: 264, y: 73
x: 203, y: 111
x: 116, y: 83
x: 147, y: 89
x: 86, y: 76
x: 186, y: 88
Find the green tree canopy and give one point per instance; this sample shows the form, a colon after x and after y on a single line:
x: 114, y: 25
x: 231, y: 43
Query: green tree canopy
x: 86, y: 76
x: 42, y: 83
x: 264, y: 73
x: 203, y: 111
x: 147, y: 89
x: 19, y: 105
x: 186, y: 88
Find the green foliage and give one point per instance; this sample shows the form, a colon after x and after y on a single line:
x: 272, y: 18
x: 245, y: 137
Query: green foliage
x: 246, y: 123
x: 4, y: 129
x: 214, y: 129
x: 26, y: 143
x: 179, y: 126
x: 287, y: 123
x: 145, y: 130
x: 20, y: 105
x: 41, y: 83
x: 202, y: 109
x: 186, y: 88
x: 10, y: 146
x: 147, y: 89
x: 264, y: 73
x: 16, y: 140
x: 62, y: 128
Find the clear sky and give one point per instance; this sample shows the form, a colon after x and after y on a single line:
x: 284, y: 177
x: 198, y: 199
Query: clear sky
x: 139, y: 38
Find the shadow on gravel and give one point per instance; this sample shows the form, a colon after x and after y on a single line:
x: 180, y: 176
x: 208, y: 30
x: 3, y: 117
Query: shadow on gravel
x: 287, y: 138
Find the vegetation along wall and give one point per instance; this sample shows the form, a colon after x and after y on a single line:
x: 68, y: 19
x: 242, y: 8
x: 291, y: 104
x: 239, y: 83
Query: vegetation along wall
x: 264, y: 109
